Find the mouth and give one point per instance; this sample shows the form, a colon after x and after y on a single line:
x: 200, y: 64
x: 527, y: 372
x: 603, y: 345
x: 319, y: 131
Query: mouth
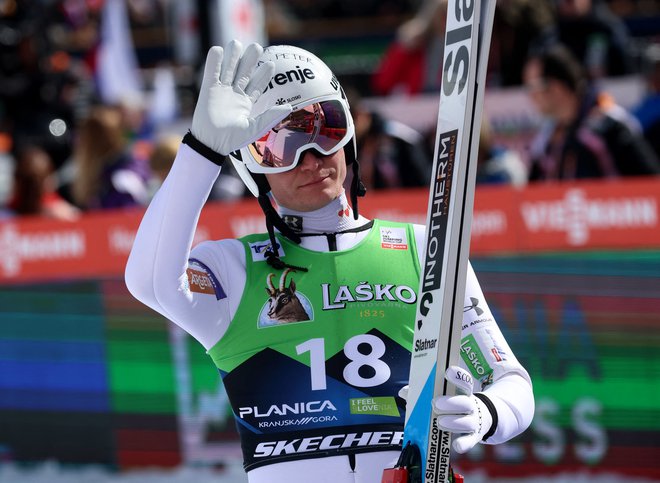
x: 315, y: 181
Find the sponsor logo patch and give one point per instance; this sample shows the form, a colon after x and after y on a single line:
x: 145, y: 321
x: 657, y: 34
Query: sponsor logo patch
x: 380, y: 406
x: 393, y: 238
x: 299, y: 75
x: 294, y: 222
x: 474, y: 305
x: 474, y: 358
x: 286, y: 409
x: 338, y: 441
x: 425, y: 344
x: 258, y: 250
x: 202, y: 280
x: 337, y: 298
x: 199, y: 282
x: 499, y: 353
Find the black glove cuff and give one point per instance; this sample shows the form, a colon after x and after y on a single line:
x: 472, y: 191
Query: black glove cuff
x: 493, y: 414
x: 203, y: 149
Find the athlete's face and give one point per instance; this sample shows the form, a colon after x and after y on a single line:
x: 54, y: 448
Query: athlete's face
x: 312, y: 184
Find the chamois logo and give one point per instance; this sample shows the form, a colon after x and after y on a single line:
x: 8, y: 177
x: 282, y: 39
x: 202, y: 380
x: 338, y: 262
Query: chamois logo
x: 284, y: 305
x: 475, y: 306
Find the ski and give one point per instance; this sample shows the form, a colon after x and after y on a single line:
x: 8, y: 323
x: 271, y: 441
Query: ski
x: 448, y: 222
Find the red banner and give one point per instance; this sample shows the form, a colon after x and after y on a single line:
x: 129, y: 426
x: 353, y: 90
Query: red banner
x: 548, y: 217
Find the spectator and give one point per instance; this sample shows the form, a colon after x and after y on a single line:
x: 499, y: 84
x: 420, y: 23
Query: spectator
x: 648, y: 111
x: 599, y: 40
x: 518, y: 26
x: 413, y: 62
x: 7, y: 164
x: 106, y: 175
x: 34, y: 186
x: 161, y: 159
x: 391, y: 154
x: 586, y: 134
x: 497, y: 164
x: 38, y: 84
x: 162, y: 156
x: 280, y: 19
x: 228, y: 186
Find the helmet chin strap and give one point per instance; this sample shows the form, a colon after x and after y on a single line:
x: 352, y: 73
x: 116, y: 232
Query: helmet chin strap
x: 357, y: 188
x: 274, y: 220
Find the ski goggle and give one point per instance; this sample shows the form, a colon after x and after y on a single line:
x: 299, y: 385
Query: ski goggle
x: 323, y: 126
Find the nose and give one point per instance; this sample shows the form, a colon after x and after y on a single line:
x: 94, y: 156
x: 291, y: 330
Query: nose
x: 311, y: 160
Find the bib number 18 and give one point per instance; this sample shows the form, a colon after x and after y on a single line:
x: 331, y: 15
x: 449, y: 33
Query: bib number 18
x: 380, y: 372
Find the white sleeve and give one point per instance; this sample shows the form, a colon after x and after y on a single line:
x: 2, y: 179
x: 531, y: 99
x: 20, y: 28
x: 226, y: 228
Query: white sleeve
x: 497, y: 373
x: 158, y: 272
x: 486, y: 354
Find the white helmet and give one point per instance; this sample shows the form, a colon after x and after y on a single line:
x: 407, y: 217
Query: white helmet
x: 321, y: 118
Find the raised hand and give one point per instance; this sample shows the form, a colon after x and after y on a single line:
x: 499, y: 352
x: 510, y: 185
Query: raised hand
x: 232, y: 82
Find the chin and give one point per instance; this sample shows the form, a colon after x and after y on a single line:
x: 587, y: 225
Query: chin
x: 319, y: 202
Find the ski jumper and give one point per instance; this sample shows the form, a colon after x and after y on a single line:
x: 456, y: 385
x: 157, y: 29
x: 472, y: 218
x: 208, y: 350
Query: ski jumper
x: 289, y: 376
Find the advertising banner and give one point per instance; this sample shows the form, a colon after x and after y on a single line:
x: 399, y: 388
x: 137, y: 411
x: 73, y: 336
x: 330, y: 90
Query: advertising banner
x: 548, y: 217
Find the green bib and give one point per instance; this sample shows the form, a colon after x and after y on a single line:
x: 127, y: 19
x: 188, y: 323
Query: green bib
x: 312, y: 361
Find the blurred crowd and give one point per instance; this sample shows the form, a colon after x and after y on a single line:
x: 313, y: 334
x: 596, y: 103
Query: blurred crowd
x: 67, y: 148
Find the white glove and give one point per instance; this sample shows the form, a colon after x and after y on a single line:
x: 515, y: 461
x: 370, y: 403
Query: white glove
x: 230, y: 86
x: 464, y: 413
